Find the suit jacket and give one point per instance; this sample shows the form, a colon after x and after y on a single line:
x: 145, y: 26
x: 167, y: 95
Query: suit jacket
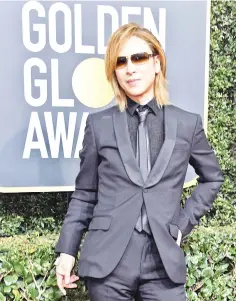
x: 110, y: 190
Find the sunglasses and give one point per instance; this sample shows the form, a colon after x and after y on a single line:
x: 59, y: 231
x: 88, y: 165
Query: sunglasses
x: 136, y: 59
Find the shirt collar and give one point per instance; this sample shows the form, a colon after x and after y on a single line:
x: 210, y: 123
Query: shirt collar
x: 133, y: 105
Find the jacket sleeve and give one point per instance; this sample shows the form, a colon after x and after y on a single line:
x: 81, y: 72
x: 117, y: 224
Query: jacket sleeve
x: 84, y: 198
x: 210, y: 179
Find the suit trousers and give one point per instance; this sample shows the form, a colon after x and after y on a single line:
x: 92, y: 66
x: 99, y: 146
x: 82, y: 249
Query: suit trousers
x: 139, y: 275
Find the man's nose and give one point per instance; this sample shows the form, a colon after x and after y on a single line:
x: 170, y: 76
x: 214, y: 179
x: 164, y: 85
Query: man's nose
x: 130, y: 67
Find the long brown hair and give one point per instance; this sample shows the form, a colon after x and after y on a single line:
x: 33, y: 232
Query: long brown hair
x: 117, y: 39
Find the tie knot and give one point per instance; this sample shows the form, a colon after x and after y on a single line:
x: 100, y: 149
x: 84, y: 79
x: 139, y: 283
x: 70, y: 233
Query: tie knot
x: 142, y: 112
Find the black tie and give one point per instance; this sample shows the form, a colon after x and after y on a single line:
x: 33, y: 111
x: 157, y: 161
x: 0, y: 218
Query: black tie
x: 143, y: 157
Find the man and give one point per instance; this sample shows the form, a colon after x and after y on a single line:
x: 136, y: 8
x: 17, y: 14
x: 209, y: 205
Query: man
x: 128, y: 191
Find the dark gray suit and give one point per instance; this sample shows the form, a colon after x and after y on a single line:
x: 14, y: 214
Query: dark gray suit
x: 110, y: 191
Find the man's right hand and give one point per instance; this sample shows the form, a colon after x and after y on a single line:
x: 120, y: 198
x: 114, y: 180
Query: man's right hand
x: 64, y: 265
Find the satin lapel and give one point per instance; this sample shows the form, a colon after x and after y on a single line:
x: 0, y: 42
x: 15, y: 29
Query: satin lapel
x: 125, y: 147
x: 170, y: 128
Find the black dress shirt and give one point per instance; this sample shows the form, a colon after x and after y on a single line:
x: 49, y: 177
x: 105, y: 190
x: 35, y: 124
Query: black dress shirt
x: 155, y: 125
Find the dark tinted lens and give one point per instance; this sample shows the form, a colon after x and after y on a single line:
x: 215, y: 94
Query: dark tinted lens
x: 139, y: 58
x: 121, y: 62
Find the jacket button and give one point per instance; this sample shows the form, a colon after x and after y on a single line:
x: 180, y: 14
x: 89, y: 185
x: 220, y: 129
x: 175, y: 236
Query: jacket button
x: 145, y: 190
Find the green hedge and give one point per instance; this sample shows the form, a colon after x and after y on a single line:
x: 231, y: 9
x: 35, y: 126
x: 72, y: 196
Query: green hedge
x: 222, y: 104
x: 26, y: 212
x: 27, y: 271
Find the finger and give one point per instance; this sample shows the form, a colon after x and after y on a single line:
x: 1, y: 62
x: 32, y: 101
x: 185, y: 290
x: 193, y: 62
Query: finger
x: 70, y: 285
x: 63, y: 291
x: 59, y: 278
x: 67, y: 278
x: 60, y: 283
x: 74, y: 278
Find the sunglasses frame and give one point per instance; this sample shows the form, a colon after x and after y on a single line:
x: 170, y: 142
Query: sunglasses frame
x: 130, y: 57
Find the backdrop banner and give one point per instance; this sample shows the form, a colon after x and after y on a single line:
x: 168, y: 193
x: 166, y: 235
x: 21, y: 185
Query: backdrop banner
x: 52, y: 76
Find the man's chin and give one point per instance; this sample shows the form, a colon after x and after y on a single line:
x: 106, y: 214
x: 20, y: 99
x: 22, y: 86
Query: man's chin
x: 134, y: 93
